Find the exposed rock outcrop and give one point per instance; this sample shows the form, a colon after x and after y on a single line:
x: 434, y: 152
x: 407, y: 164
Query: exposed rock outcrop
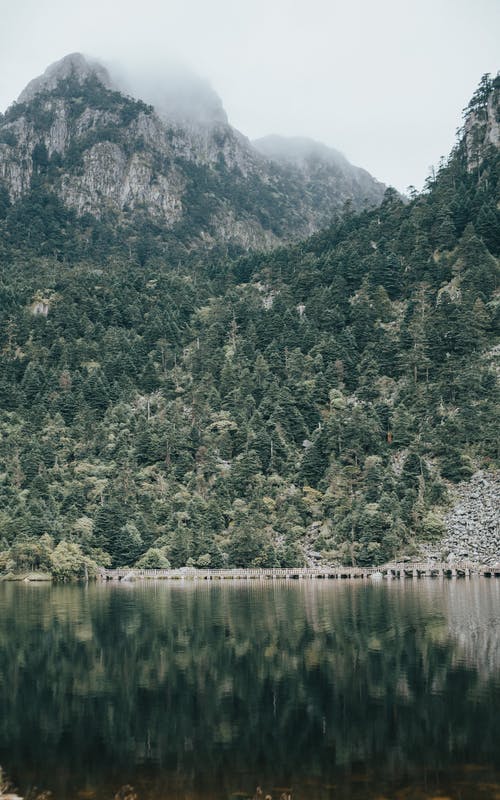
x: 482, y: 122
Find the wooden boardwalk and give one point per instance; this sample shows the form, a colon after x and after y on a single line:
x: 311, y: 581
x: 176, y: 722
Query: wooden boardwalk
x: 428, y: 569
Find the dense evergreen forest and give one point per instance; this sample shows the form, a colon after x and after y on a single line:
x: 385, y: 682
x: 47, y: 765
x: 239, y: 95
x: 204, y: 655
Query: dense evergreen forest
x: 162, y: 404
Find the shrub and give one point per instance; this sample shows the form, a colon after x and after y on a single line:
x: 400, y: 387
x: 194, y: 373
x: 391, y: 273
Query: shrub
x: 154, y: 558
x: 68, y: 562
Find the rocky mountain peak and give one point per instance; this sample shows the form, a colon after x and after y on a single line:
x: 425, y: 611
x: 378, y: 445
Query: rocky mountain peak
x: 85, y: 134
x: 73, y: 65
x: 178, y: 95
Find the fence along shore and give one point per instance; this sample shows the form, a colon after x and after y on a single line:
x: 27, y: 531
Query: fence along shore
x: 387, y: 571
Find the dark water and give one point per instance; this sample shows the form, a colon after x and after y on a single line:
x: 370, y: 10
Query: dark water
x: 330, y: 689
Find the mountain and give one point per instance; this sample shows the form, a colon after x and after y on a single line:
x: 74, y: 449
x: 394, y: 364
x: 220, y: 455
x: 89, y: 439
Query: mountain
x: 75, y: 133
x: 326, y: 401
x: 323, y: 171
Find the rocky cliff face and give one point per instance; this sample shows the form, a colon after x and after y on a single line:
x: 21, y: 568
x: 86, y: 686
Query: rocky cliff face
x: 101, y: 151
x: 482, y: 122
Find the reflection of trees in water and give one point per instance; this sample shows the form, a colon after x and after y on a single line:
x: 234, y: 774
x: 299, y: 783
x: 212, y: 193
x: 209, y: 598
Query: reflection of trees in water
x: 473, y: 617
x: 213, y: 681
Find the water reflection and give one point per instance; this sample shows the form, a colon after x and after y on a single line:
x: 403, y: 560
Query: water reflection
x: 207, y: 690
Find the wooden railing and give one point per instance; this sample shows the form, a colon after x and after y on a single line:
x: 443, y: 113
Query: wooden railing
x: 392, y: 570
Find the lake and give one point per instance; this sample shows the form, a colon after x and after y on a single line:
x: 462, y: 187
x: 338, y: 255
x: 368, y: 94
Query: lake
x: 318, y: 689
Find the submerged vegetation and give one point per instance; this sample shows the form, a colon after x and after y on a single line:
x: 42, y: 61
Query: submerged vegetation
x: 161, y: 405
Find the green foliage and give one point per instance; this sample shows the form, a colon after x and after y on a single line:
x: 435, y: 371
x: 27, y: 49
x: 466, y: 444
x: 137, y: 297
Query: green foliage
x: 29, y: 555
x: 68, y: 562
x: 154, y: 558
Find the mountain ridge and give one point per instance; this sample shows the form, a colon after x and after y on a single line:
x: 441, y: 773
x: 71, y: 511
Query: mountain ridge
x: 100, y: 149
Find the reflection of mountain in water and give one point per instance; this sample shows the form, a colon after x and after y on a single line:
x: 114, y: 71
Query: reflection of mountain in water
x: 225, y: 684
x: 473, y: 617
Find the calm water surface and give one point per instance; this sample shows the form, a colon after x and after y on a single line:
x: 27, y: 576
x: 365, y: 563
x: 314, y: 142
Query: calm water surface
x: 329, y: 689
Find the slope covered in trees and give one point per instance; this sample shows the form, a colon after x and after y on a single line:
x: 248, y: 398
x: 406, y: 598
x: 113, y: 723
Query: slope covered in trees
x: 312, y: 402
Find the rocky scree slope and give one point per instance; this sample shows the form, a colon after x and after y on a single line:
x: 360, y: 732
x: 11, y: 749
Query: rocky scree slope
x: 104, y: 152
x: 473, y: 525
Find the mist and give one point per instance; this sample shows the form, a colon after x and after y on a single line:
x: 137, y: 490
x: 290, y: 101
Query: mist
x: 172, y: 87
x: 382, y: 82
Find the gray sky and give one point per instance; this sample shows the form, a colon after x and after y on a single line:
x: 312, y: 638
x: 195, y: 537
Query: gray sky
x: 384, y: 81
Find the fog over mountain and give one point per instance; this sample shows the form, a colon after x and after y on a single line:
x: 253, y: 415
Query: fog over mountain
x: 174, y: 90
x: 110, y: 142
x: 383, y: 82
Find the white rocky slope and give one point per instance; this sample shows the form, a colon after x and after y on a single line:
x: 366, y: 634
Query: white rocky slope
x: 473, y: 523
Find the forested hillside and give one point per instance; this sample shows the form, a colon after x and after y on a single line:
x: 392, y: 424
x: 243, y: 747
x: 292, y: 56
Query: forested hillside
x: 313, y: 402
